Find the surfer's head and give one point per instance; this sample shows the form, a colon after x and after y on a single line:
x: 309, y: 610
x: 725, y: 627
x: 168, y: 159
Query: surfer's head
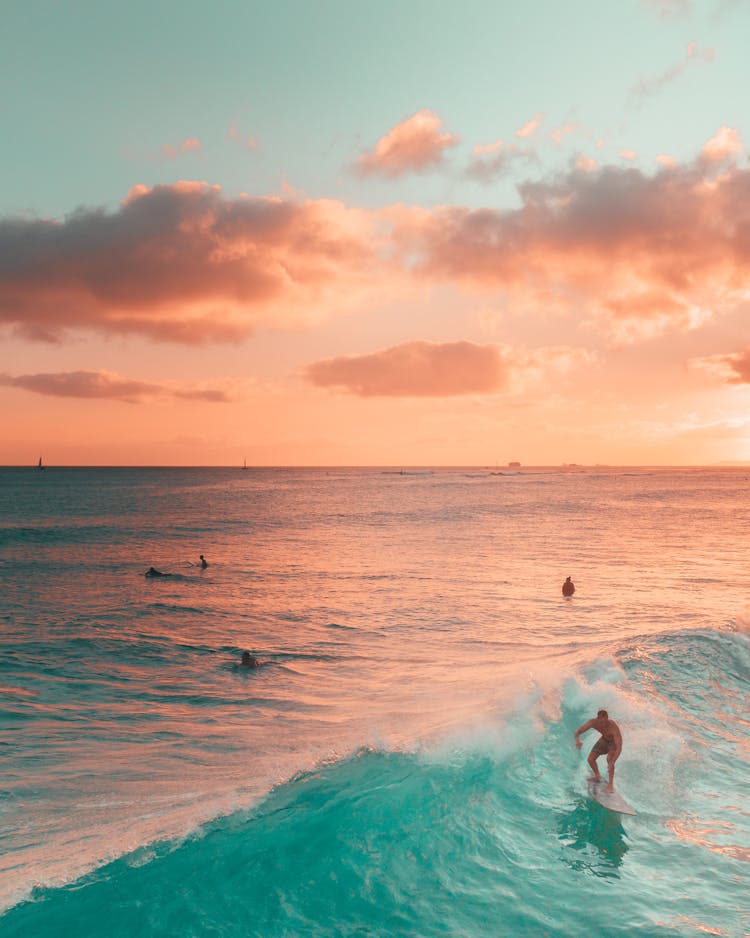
x: 602, y: 715
x: 249, y: 661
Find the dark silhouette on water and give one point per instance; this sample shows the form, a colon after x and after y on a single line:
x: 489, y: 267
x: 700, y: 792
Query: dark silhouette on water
x: 249, y: 661
x: 152, y: 571
x: 568, y: 587
x: 204, y: 562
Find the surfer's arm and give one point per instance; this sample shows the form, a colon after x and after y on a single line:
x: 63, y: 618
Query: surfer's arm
x: 582, y: 729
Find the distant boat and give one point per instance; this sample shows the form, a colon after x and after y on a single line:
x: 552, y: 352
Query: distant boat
x: 244, y: 464
x: 40, y: 464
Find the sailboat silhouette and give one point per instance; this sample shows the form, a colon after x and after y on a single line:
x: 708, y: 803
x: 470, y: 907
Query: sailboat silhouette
x: 39, y: 464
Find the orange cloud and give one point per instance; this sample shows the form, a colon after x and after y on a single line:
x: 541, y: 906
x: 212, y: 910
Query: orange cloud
x: 188, y: 145
x: 415, y: 145
x: 668, y: 250
x: 432, y: 369
x: 191, y: 145
x: 250, y: 143
x: 530, y: 127
x: 415, y: 369
x: 493, y: 160
x: 564, y: 130
x: 725, y: 145
x: 648, y: 87
x: 586, y: 163
x: 181, y: 263
x: 732, y: 369
x: 105, y: 385
x: 633, y: 253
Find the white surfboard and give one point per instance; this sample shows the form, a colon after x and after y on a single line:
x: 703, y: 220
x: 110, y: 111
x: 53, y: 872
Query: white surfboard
x: 611, y: 800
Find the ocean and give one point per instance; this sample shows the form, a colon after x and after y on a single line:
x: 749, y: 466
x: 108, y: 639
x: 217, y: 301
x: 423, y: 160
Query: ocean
x: 402, y: 761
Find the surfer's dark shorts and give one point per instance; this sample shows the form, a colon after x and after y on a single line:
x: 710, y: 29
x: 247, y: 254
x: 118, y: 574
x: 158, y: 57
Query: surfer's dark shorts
x: 602, y: 747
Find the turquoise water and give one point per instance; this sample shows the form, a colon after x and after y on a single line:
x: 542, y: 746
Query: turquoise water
x: 402, y: 763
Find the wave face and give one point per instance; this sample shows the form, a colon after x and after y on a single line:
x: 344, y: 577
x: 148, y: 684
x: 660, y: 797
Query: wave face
x: 487, y: 832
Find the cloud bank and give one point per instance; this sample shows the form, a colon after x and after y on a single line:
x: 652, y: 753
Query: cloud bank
x: 179, y: 263
x: 653, y: 251
x: 635, y: 253
x: 106, y: 385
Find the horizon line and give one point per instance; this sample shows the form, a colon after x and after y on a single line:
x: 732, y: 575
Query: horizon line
x: 723, y: 464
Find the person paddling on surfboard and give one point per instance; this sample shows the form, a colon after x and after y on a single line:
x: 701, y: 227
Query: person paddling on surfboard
x: 609, y: 744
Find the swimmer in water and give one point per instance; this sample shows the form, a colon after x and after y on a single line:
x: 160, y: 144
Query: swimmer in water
x: 204, y: 562
x: 152, y: 571
x: 568, y: 588
x: 249, y: 661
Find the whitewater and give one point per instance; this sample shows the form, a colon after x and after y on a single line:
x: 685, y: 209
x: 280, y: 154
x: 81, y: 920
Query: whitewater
x: 402, y: 762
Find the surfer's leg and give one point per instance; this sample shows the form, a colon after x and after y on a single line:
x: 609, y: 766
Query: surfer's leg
x: 611, y: 766
x: 593, y: 756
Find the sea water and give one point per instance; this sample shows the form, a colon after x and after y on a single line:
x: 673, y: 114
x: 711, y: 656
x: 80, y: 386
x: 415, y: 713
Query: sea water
x: 402, y: 762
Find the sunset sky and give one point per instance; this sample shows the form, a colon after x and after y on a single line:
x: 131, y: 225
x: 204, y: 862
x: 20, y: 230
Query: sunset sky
x: 403, y: 233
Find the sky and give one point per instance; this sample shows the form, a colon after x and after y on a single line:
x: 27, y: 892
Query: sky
x: 345, y: 233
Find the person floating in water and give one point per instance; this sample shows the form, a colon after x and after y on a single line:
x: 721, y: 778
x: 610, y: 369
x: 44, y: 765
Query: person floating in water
x: 152, y: 571
x: 609, y: 744
x: 568, y: 587
x: 204, y: 562
x: 249, y: 661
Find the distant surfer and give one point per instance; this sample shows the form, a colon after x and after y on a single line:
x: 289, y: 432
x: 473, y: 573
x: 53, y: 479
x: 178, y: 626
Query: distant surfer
x: 152, y: 571
x: 204, y: 562
x: 568, y: 587
x: 609, y: 744
x: 249, y: 661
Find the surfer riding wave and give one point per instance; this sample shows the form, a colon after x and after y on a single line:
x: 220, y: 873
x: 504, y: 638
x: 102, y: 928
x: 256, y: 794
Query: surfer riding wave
x: 609, y: 744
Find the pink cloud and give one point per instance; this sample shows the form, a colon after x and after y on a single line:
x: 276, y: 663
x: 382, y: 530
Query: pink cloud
x: 105, y: 385
x: 564, y: 130
x: 663, y: 251
x: 586, y: 163
x: 448, y: 369
x: 732, y: 368
x: 249, y: 143
x: 626, y: 250
x: 530, y: 127
x: 629, y: 155
x: 188, y: 145
x: 490, y: 161
x: 648, y: 87
x: 415, y: 145
x: 726, y: 144
x: 415, y: 369
x: 181, y: 263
